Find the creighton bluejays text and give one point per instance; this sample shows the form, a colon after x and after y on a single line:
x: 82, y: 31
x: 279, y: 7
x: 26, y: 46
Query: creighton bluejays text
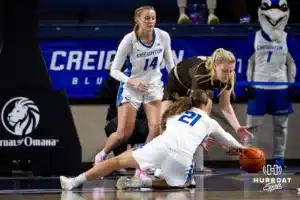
x: 88, y: 67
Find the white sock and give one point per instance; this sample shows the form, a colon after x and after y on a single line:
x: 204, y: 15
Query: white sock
x: 102, y: 154
x: 79, y: 180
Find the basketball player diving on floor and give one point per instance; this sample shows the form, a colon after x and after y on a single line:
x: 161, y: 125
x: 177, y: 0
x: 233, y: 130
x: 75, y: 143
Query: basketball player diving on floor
x: 185, y: 124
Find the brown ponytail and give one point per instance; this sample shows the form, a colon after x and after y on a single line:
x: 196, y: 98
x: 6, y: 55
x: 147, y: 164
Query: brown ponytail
x: 196, y: 99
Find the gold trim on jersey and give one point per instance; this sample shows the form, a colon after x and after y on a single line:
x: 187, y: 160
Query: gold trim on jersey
x: 178, y: 79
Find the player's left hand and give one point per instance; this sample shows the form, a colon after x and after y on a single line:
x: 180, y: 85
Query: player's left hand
x: 207, y: 143
x: 235, y: 151
x: 243, y: 132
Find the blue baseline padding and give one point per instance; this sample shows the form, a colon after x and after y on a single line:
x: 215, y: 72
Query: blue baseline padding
x: 93, y: 45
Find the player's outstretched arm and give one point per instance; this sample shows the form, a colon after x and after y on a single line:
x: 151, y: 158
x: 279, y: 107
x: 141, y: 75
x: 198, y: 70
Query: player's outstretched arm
x: 225, y: 139
x: 229, y: 114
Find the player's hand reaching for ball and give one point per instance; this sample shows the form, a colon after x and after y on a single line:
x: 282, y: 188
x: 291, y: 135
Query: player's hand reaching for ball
x: 137, y: 84
x: 235, y: 151
x: 207, y: 143
x: 244, y: 133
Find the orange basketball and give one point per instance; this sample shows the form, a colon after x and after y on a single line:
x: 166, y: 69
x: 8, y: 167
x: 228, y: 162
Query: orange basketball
x: 252, y: 160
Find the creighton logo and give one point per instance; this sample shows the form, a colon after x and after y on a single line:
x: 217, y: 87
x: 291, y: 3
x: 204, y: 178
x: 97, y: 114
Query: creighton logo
x: 20, y: 116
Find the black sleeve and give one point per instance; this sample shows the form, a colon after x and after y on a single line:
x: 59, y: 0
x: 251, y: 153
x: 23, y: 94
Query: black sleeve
x: 194, y: 80
x: 200, y: 76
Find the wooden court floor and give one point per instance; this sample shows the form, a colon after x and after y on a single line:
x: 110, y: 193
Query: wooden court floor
x: 224, y: 185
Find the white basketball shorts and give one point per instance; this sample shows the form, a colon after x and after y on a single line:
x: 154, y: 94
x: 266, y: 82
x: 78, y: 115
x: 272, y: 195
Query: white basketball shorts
x: 135, y: 98
x: 156, y: 154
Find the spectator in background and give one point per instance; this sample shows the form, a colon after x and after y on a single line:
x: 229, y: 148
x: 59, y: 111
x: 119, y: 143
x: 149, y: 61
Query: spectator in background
x: 185, y: 19
x: 233, y: 10
x: 245, y: 11
x: 240, y: 11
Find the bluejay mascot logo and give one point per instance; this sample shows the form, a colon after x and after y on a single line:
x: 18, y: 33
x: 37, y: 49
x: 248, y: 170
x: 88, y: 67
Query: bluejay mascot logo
x: 273, y: 16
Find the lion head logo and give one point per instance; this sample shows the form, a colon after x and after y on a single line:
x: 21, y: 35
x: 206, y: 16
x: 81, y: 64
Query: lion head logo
x: 20, y: 116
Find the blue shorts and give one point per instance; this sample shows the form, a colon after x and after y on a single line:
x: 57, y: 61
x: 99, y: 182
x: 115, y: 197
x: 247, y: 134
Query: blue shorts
x: 273, y: 102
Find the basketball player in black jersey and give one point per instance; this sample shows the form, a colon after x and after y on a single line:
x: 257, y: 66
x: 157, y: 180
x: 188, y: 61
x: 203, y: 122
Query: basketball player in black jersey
x: 209, y: 74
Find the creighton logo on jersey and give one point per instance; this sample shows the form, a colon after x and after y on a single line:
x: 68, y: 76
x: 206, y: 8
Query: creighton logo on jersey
x: 149, y: 56
x: 273, y: 16
x: 270, y: 59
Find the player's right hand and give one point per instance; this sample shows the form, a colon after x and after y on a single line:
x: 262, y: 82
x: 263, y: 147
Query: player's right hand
x: 138, y: 85
x: 243, y: 132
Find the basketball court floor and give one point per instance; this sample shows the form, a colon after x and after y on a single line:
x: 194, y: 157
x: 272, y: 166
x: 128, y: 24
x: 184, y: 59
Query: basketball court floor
x: 222, y: 184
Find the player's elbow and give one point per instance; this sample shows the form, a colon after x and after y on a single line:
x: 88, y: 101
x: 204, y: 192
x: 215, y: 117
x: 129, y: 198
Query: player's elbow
x: 170, y: 66
x: 113, y: 73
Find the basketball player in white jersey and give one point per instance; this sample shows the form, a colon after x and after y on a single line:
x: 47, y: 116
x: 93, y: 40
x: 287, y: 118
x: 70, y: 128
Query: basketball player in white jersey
x: 271, y: 59
x: 185, y: 126
x: 144, y: 48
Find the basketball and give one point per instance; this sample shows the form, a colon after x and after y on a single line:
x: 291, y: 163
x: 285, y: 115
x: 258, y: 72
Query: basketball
x: 252, y: 160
